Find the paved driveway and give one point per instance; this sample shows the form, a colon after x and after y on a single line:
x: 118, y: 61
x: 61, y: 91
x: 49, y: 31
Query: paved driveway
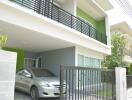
x: 22, y: 96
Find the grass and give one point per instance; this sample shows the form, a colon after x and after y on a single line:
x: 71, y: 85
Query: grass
x: 105, y: 93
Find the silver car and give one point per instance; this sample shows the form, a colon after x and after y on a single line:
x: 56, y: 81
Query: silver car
x: 38, y: 83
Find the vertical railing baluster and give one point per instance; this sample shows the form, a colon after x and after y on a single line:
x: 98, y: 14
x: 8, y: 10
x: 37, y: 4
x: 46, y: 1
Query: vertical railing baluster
x: 81, y: 26
x: 89, y: 31
x: 61, y: 81
x: 71, y: 21
x: 22, y: 2
x: 58, y: 15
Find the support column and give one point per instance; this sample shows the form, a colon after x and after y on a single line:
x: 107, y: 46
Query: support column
x: 121, y: 88
x: 7, y: 74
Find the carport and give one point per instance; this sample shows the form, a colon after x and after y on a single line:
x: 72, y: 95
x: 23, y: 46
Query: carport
x: 51, y: 50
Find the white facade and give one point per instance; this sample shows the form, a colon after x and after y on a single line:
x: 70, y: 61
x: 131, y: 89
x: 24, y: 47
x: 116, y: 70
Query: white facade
x: 7, y: 74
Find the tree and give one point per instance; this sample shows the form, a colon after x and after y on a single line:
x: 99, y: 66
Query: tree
x: 3, y: 40
x: 118, y: 52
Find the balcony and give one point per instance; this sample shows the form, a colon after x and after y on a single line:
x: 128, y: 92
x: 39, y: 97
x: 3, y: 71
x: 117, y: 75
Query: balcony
x: 50, y: 10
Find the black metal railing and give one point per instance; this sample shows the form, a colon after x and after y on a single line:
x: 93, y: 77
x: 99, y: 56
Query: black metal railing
x: 82, y: 83
x: 50, y: 10
x: 129, y: 81
x: 128, y: 52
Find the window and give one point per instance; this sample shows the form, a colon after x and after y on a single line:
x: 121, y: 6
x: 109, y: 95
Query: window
x: 88, y: 62
x: 80, y: 60
x: 85, y: 61
x: 33, y: 62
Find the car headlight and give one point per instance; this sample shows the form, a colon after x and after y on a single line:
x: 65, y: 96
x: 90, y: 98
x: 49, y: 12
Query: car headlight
x: 44, y: 84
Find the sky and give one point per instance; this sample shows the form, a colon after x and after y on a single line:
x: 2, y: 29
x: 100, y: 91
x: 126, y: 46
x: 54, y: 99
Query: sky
x: 117, y: 14
x: 130, y: 1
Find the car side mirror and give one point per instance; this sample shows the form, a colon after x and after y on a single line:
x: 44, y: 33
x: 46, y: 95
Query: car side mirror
x: 29, y: 76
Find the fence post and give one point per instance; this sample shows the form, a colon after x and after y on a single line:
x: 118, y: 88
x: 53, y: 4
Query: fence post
x: 121, y: 88
x: 7, y: 74
x: 61, y: 81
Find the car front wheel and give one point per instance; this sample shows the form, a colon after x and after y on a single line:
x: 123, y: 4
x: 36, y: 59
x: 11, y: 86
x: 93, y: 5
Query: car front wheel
x: 34, y: 93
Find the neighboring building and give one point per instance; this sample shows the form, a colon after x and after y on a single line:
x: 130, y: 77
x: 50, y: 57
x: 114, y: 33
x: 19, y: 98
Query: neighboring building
x: 67, y: 32
x: 126, y: 30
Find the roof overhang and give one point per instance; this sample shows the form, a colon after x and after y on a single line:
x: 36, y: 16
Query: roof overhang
x: 123, y: 27
x: 92, y: 8
x: 28, y: 40
x: 105, y: 4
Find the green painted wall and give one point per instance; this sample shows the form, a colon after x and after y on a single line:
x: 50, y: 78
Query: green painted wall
x: 20, y: 56
x: 99, y: 25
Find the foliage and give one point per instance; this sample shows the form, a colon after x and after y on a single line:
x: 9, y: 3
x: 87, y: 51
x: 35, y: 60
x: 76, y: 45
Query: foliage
x: 118, y: 52
x: 130, y: 69
x: 3, y: 40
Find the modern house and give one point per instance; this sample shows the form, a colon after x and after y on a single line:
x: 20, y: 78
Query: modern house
x: 48, y: 33
x: 126, y: 31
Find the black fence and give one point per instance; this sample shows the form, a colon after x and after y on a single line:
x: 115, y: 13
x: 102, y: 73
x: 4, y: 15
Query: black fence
x: 81, y: 83
x: 50, y: 10
x: 129, y: 81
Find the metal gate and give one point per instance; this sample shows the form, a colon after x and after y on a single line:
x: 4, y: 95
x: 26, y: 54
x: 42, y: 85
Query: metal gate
x: 83, y: 83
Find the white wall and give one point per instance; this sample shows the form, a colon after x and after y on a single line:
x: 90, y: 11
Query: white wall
x: 54, y: 58
x: 70, y: 6
x: 107, y: 25
x: 7, y: 74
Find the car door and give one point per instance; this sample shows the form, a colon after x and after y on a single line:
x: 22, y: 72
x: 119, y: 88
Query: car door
x: 26, y: 80
x: 18, y: 82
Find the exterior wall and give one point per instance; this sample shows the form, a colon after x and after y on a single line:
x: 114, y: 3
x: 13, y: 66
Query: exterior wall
x: 53, y: 59
x: 86, y: 17
x: 30, y: 54
x: 70, y: 6
x: 99, y: 25
x: 108, y: 34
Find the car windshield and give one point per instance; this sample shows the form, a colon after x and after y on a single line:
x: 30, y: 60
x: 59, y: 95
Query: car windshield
x: 42, y: 73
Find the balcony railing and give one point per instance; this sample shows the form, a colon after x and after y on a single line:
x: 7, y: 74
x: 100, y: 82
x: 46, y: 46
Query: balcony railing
x: 128, y: 52
x: 50, y: 10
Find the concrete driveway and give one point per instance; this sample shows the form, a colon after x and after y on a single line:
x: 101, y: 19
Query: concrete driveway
x: 23, y: 96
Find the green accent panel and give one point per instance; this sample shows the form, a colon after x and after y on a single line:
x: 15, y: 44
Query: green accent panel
x: 99, y: 25
x: 85, y: 16
x: 20, y: 56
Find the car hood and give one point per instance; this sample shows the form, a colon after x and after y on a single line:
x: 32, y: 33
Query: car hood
x: 51, y: 80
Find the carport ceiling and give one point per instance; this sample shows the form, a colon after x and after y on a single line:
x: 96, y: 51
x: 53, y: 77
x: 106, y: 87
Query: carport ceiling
x: 28, y: 40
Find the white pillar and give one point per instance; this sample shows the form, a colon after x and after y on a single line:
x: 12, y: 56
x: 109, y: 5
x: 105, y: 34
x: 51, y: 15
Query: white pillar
x: 7, y: 74
x: 121, y: 88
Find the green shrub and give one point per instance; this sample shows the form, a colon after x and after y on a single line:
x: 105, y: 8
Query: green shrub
x: 130, y: 69
x: 3, y: 40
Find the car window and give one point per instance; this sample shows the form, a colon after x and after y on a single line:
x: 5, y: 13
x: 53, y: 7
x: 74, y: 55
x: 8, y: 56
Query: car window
x: 42, y: 73
x: 25, y: 73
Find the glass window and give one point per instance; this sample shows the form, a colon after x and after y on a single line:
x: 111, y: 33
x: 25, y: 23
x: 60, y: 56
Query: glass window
x: 88, y: 62
x: 80, y: 60
x: 42, y: 73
